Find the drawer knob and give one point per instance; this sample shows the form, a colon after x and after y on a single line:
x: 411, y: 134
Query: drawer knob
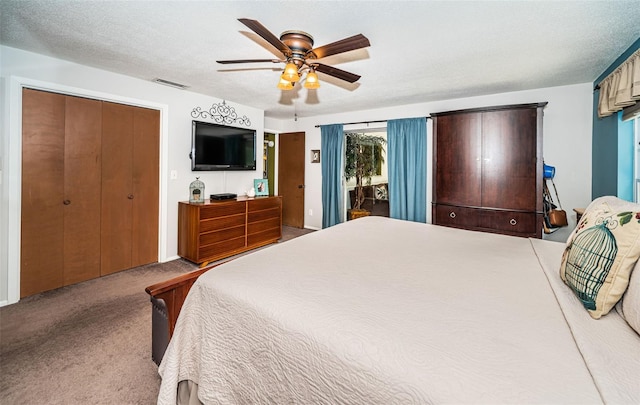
x: 130, y: 196
x: 66, y: 202
x: 452, y: 214
x: 513, y: 222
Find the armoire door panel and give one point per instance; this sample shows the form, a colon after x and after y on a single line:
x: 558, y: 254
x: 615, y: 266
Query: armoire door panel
x: 458, y: 165
x: 41, y: 245
x: 116, y: 201
x: 509, y: 159
x: 146, y: 167
x: 82, y: 181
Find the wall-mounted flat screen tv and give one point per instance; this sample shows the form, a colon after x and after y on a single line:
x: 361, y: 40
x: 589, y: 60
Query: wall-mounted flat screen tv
x: 219, y: 147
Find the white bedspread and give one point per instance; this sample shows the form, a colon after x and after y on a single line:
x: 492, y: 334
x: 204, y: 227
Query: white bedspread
x: 380, y: 311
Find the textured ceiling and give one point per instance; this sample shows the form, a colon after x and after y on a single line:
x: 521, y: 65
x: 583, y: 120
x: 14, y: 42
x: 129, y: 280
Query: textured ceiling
x: 420, y: 50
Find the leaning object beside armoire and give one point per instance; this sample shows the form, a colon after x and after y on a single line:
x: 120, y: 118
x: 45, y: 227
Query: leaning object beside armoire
x: 488, y: 169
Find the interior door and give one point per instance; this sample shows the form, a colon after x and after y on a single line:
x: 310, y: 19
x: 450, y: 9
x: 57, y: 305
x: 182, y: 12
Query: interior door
x: 291, y: 163
x: 117, y: 166
x: 146, y: 169
x: 42, y: 239
x: 82, y: 180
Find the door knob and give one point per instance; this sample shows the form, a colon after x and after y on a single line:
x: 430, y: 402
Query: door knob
x: 66, y: 202
x: 130, y: 196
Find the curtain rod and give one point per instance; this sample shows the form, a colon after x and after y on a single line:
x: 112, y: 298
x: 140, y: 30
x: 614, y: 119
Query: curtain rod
x: 364, y: 122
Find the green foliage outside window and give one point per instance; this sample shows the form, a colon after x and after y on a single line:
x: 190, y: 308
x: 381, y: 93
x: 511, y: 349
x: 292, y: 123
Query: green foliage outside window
x: 363, y: 159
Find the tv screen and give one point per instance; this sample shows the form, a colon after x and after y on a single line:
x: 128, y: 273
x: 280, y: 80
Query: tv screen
x: 219, y: 147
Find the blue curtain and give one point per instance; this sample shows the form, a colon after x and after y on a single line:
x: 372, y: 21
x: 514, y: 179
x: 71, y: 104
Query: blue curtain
x: 332, y: 147
x: 407, y: 167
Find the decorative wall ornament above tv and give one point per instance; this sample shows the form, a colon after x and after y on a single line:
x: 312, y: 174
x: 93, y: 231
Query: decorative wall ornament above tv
x: 222, y: 114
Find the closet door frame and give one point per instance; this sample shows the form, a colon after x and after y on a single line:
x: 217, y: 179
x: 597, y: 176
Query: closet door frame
x: 13, y: 177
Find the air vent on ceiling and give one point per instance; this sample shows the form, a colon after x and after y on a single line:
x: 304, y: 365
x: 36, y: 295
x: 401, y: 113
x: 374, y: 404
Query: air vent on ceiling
x: 171, y: 84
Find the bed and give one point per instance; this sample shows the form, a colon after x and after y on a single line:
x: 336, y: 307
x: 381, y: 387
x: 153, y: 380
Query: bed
x: 382, y: 311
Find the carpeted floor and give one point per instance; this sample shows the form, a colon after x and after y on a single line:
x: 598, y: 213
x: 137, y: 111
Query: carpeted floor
x: 89, y: 343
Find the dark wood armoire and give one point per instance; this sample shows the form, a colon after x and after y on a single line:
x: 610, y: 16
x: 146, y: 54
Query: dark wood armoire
x: 90, y: 181
x: 488, y: 169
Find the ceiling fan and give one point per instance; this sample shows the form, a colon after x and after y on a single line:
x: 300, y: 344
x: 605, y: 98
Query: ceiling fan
x: 300, y: 56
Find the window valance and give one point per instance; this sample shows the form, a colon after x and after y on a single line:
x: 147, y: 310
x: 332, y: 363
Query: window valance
x: 621, y: 88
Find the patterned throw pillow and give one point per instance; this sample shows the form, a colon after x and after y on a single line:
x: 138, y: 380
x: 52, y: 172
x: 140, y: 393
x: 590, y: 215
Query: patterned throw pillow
x: 381, y: 192
x: 601, y: 253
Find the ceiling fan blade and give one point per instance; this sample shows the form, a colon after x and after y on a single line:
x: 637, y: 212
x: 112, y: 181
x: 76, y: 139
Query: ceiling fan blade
x: 344, y: 45
x: 260, y: 29
x: 228, y: 62
x: 335, y: 72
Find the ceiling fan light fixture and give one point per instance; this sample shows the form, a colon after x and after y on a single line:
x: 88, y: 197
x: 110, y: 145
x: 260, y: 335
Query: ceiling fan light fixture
x: 290, y: 73
x: 312, y: 82
x: 285, y: 84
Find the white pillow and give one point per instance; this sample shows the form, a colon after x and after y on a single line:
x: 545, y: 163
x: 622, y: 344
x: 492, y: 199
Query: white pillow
x: 629, y: 306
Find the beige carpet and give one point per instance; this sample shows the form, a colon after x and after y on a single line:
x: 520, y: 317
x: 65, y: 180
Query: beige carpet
x: 89, y: 343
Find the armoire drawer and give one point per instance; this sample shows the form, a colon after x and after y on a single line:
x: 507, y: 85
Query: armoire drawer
x: 458, y: 217
x: 498, y: 221
x: 509, y: 221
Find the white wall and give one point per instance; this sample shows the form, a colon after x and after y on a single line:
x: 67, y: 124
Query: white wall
x: 566, y: 141
x: 19, y: 68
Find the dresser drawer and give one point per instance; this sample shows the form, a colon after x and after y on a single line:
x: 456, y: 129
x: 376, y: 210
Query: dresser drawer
x: 254, y: 227
x: 221, y: 249
x: 263, y: 204
x: 261, y: 238
x: 222, y: 222
x: 261, y: 215
x: 222, y: 235
x: 221, y: 210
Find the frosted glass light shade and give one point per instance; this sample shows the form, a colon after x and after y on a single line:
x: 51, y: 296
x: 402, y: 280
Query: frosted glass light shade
x: 290, y: 73
x: 312, y: 81
x: 285, y: 84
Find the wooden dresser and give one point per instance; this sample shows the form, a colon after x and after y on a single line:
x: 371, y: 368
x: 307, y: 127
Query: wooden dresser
x: 488, y: 169
x: 219, y: 229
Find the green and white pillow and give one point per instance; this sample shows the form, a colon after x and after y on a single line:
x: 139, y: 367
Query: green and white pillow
x: 601, y: 253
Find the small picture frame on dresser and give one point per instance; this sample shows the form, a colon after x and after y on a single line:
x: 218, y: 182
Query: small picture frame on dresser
x: 261, y: 186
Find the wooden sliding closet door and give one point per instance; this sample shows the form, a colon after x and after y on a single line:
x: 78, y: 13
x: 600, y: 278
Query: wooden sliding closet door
x: 60, y: 242
x: 82, y: 167
x: 130, y: 164
x: 146, y: 183
x: 42, y: 242
x: 117, y: 188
